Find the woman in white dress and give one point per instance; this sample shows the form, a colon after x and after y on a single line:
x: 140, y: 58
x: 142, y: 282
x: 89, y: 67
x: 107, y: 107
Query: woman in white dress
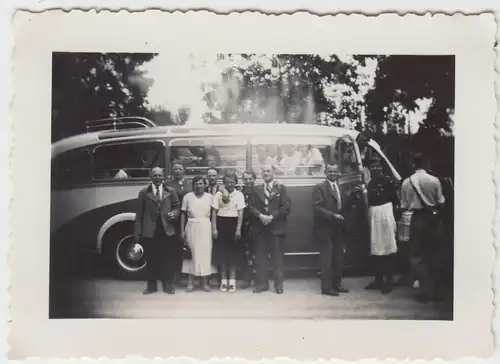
x: 196, y: 231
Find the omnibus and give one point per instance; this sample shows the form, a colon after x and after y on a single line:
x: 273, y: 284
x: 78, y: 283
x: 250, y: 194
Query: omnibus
x: 96, y: 177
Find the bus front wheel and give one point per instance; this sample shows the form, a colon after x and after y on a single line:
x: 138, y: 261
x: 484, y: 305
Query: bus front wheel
x: 125, y: 256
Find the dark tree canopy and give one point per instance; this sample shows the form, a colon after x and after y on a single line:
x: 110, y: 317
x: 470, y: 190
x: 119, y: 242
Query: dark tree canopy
x: 90, y: 86
x: 405, y: 79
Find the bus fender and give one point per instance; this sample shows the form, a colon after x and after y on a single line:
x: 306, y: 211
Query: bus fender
x: 126, y: 216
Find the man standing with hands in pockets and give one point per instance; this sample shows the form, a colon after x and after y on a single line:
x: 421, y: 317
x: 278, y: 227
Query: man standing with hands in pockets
x: 158, y: 208
x: 270, y: 205
x: 329, y: 228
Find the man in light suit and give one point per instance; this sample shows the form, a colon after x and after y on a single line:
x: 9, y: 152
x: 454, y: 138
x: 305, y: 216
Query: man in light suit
x: 158, y: 209
x: 329, y: 229
x: 270, y: 206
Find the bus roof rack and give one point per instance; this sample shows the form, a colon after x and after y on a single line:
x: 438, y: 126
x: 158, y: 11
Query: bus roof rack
x: 119, y: 123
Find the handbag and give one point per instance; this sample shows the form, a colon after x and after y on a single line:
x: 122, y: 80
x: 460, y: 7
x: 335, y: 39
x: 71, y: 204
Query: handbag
x: 403, y: 226
x: 434, y: 213
x: 186, y: 252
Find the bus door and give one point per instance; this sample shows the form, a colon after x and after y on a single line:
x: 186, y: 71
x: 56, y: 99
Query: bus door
x: 352, y: 187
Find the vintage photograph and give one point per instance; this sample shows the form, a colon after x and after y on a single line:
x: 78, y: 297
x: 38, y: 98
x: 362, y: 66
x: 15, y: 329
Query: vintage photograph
x: 246, y: 186
x: 276, y: 186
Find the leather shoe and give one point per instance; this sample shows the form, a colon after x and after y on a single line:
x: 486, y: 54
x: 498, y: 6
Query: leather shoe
x: 260, y: 289
x: 279, y: 290
x: 341, y: 290
x: 330, y: 292
x: 169, y: 289
x: 386, y: 288
x: 375, y: 285
x: 148, y: 291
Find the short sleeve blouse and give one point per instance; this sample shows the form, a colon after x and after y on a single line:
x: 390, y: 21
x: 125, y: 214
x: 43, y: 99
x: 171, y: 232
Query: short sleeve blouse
x: 231, y: 208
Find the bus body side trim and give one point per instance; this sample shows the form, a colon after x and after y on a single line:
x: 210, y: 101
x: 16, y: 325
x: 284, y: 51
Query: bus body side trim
x: 126, y: 216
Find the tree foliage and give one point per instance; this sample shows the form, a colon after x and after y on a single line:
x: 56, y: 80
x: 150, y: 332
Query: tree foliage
x: 282, y: 87
x: 402, y: 80
x: 90, y: 86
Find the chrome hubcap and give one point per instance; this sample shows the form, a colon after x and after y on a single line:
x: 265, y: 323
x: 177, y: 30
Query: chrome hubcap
x: 135, y: 252
x: 130, y: 254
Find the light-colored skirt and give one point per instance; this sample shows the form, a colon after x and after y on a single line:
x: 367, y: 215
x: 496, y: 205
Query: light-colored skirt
x: 382, y: 229
x: 199, y: 240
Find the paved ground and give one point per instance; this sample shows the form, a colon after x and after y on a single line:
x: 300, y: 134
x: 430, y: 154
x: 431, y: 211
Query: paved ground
x: 301, y: 300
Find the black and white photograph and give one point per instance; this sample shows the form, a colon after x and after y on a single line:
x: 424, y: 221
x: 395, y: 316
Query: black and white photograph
x: 252, y: 186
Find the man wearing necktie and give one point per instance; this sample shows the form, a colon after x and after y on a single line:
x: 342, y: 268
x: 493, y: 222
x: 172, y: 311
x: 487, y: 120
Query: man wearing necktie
x: 270, y: 206
x: 212, y: 179
x: 329, y: 230
x: 158, y: 209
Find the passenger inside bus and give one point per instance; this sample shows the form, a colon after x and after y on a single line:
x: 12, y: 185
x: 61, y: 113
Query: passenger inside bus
x: 197, y: 160
x: 289, y: 162
x: 291, y: 159
x: 312, y: 161
x: 148, y: 159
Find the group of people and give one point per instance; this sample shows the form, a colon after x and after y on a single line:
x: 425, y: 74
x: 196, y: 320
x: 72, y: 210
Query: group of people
x: 218, y: 225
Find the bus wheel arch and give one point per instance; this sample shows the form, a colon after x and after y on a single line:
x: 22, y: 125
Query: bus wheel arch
x: 122, y: 257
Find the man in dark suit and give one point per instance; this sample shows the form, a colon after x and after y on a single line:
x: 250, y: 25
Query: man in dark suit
x: 329, y: 229
x: 212, y: 181
x: 178, y: 182
x: 182, y: 186
x: 249, y: 178
x: 270, y: 206
x: 159, y: 207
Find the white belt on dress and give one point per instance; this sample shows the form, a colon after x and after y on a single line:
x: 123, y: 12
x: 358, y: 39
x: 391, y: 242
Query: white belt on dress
x: 198, y: 219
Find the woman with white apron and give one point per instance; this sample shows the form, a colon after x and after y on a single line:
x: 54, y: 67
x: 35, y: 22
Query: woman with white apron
x: 382, y: 200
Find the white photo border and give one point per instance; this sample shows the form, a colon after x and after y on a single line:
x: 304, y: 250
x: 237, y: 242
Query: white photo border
x: 469, y: 38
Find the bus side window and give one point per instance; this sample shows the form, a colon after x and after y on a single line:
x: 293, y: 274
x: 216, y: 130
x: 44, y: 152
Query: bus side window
x: 222, y: 154
x: 70, y: 169
x: 292, y: 160
x: 128, y: 160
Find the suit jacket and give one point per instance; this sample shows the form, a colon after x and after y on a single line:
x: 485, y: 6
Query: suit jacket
x: 149, y: 208
x: 248, y: 217
x: 325, y: 206
x: 182, y: 189
x: 279, y: 207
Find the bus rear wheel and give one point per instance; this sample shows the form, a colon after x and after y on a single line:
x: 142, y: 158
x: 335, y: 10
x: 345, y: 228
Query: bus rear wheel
x: 124, y: 255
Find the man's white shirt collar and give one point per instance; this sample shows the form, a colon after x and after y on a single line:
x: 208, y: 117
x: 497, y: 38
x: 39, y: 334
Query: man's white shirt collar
x: 160, y: 189
x: 270, y: 184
